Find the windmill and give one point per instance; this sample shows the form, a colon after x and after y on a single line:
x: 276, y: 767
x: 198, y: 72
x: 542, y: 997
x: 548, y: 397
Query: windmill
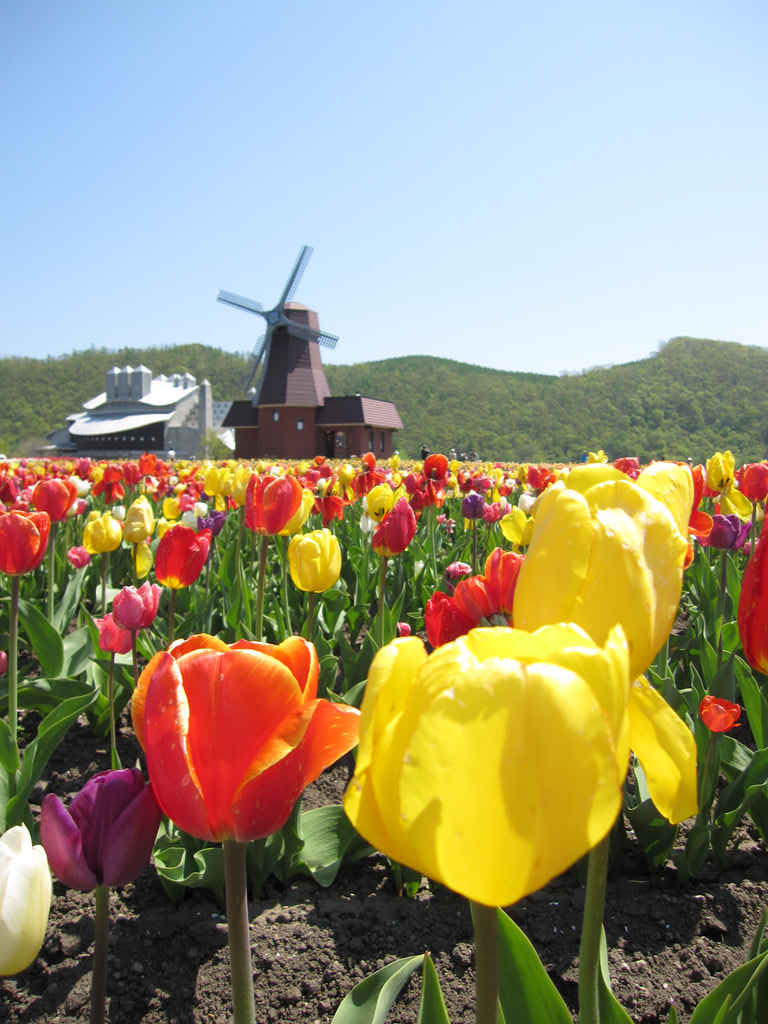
x: 296, y: 338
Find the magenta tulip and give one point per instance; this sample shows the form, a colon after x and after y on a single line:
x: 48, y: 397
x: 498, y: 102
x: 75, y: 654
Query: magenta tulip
x: 136, y: 607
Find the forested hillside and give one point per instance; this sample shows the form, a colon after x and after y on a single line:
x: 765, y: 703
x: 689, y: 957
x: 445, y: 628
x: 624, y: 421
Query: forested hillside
x: 688, y: 400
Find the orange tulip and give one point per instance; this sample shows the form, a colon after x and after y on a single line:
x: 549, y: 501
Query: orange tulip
x: 54, y: 496
x: 719, y: 714
x: 270, y: 502
x: 23, y: 540
x: 234, y: 733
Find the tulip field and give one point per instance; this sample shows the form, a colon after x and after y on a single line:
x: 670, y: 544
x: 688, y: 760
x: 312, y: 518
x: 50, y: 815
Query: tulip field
x: 355, y: 742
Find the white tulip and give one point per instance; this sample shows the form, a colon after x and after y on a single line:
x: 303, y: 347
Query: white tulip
x: 25, y: 899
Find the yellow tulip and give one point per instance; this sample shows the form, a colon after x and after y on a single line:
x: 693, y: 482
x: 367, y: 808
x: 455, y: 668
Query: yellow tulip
x: 517, y: 527
x: 139, y: 521
x: 171, y: 509
x: 720, y: 471
x: 612, y: 554
x: 582, y: 477
x: 598, y: 456
x: 494, y: 763
x: 240, y: 481
x: 143, y: 559
x: 102, y: 533
x: 379, y: 501
x: 314, y: 560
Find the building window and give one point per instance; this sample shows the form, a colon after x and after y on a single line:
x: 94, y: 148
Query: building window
x: 381, y: 442
x: 275, y: 416
x: 371, y: 443
x: 299, y: 424
x: 341, y: 439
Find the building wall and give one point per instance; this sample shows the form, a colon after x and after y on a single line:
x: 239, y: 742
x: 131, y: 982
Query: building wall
x: 354, y: 439
x: 287, y: 432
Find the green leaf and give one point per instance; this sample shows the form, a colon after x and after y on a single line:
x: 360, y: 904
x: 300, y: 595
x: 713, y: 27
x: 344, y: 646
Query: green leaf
x: 65, y: 610
x: 611, y: 1010
x: 714, y: 1008
x: 654, y: 833
x: 330, y: 838
x: 77, y: 651
x: 756, y: 707
x: 526, y: 992
x: 182, y: 867
x: 432, y: 1006
x: 369, y: 1001
x: 9, y: 752
x: 50, y: 732
x: 44, y: 638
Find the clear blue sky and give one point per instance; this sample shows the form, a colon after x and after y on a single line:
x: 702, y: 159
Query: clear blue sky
x: 539, y: 188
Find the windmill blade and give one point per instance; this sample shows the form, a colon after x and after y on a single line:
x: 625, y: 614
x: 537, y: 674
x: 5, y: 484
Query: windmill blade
x: 241, y: 302
x: 296, y: 275
x: 258, y: 353
x: 311, y: 333
x: 267, y: 349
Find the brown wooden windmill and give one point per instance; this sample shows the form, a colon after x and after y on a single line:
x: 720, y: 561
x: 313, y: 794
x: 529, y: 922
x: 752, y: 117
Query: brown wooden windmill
x: 290, y: 413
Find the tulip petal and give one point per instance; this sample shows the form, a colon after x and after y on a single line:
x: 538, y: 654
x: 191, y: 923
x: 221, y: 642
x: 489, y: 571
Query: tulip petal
x: 64, y: 845
x: 666, y: 749
x: 672, y: 485
x: 240, y: 697
x: 166, y: 717
x: 581, y: 478
x: 265, y: 803
x: 128, y: 844
x: 298, y: 656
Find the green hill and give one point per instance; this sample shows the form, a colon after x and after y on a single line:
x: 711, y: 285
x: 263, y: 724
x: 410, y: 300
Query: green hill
x: 689, y: 399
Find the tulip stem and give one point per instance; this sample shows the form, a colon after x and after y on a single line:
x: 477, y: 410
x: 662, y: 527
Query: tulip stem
x: 309, y: 622
x: 260, y: 586
x: 114, y: 758
x: 591, y: 931
x: 13, y: 669
x: 380, y: 610
x: 486, y: 966
x: 51, y: 569
x: 171, y: 615
x: 431, y: 527
x: 100, y: 937
x: 243, y: 1004
x: 134, y: 657
x: 721, y: 606
x: 104, y: 566
x: 286, y: 606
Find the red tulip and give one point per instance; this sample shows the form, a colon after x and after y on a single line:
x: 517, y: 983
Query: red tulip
x: 180, y: 556
x: 754, y: 481
x: 270, y: 502
x: 396, y: 530
x: 444, y: 620
x: 719, y: 714
x: 54, y: 496
x: 435, y: 467
x: 501, y: 571
x: 233, y: 734
x: 23, y: 540
x: 753, y: 606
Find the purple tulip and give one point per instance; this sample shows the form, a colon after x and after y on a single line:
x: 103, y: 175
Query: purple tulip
x: 106, y: 836
x: 728, y: 532
x: 473, y: 506
x: 214, y: 521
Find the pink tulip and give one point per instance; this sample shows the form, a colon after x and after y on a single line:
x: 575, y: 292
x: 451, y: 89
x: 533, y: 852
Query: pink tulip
x: 135, y: 608
x: 112, y: 637
x: 79, y: 557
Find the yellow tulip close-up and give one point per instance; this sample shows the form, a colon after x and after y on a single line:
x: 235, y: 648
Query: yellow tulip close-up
x: 102, y: 534
x: 612, y: 554
x: 139, y: 521
x: 496, y: 762
x: 314, y: 560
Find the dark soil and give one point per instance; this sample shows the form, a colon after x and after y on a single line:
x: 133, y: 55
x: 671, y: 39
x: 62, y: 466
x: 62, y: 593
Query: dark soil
x: 669, y: 943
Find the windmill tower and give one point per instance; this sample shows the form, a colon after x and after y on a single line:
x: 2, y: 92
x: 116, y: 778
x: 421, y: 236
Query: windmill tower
x: 291, y: 384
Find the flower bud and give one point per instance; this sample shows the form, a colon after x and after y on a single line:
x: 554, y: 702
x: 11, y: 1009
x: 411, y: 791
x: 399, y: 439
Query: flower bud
x: 25, y: 899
